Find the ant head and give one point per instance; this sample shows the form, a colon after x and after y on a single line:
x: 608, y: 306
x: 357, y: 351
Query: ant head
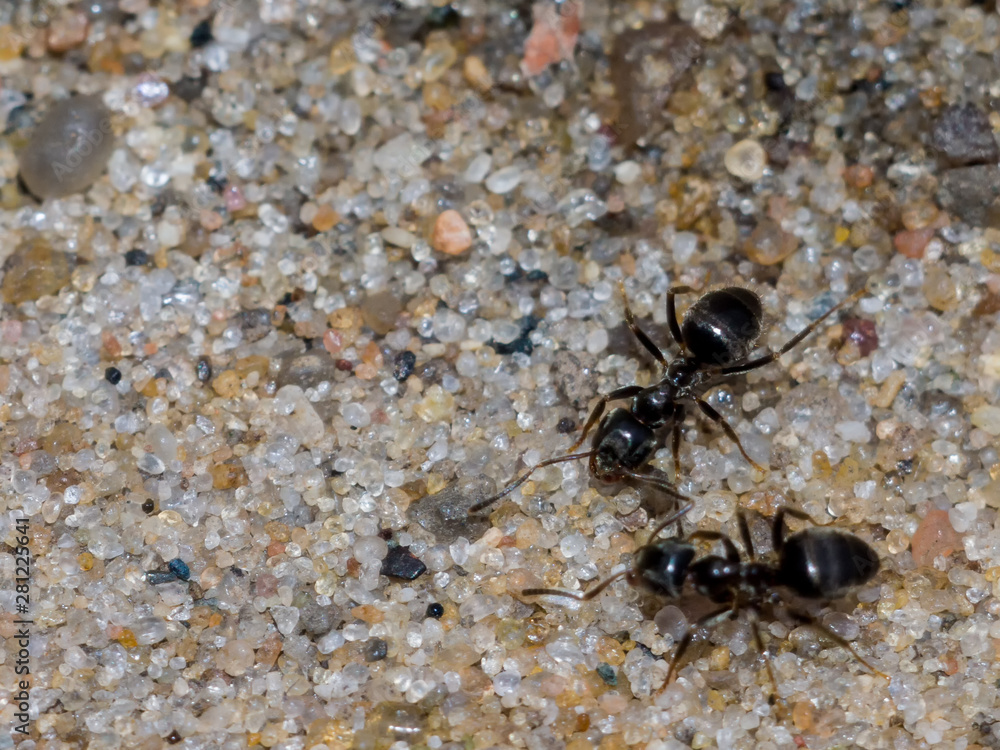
x: 662, y: 566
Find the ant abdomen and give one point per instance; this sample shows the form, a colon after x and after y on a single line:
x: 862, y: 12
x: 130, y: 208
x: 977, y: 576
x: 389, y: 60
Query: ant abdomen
x: 723, y: 325
x: 825, y: 564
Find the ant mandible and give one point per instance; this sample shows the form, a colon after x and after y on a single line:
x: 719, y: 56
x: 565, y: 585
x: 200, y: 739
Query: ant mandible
x: 816, y: 563
x: 716, y: 338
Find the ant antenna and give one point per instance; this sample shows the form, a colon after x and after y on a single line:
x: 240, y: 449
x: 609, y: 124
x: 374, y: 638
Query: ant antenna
x: 580, y: 596
x: 674, y: 517
x: 524, y: 478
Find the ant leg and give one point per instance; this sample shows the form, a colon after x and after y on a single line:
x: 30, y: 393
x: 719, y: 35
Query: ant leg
x: 709, y: 620
x: 672, y: 518
x: 638, y: 332
x: 755, y: 629
x: 676, y: 439
x: 741, y: 519
x: 662, y: 484
x: 712, y: 414
x: 778, y: 530
x: 753, y: 364
x: 524, y: 478
x: 732, y: 554
x: 675, y: 326
x: 598, y: 411
x: 807, y: 619
x: 580, y: 596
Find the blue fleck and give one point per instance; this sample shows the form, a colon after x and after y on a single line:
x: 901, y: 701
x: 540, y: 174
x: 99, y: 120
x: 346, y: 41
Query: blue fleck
x: 179, y: 568
x: 156, y: 577
x: 607, y: 673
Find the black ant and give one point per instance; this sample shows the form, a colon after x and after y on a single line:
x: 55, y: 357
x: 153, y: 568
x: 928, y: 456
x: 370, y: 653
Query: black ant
x: 816, y: 563
x: 718, y: 334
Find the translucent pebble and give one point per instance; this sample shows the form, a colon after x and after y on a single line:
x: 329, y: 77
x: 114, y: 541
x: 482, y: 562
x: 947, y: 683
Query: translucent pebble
x: 627, y: 172
x: 671, y: 621
x: 865, y: 490
x: 767, y: 421
x: 22, y: 481
x: 356, y: 632
x: 330, y: 642
x: 684, y: 246
x: 746, y: 160
x: 285, y: 619
x: 853, y: 432
x: 842, y: 625
x: 370, y: 549
x: 740, y: 481
x: 572, y: 545
x: 582, y: 205
x: 272, y: 218
x: 987, y: 418
x: 151, y: 464
x: 69, y: 149
x: 235, y: 657
x: 104, y: 544
x: 882, y: 365
x: 962, y: 517
x: 565, y: 650
x: 356, y: 415
x: 597, y: 341
x: 414, y: 189
x: 554, y: 94
x: 478, y: 168
x: 505, y: 331
x: 438, y: 451
x: 149, y: 630
x: 806, y: 88
x: 504, y: 180
x: 506, y: 683
x: 163, y: 442
x: 449, y: 326
x: 459, y: 551
x: 349, y: 117
x: 467, y: 365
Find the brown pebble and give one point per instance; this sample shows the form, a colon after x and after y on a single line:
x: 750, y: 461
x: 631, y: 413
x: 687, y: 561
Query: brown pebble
x: 859, y: 176
x: 380, y: 311
x: 939, y: 289
x: 934, y: 537
x: 269, y: 650
x: 769, y: 244
x: 344, y: 318
x: 69, y: 30
x: 325, y: 219
x: 476, y: 74
x: 861, y: 332
x: 227, y: 384
x: 35, y: 270
x: 890, y: 389
x: 913, y: 242
x: 451, y: 235
x: 227, y: 476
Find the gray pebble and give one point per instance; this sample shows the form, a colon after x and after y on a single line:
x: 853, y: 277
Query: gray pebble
x: 963, y: 135
x: 69, y: 149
